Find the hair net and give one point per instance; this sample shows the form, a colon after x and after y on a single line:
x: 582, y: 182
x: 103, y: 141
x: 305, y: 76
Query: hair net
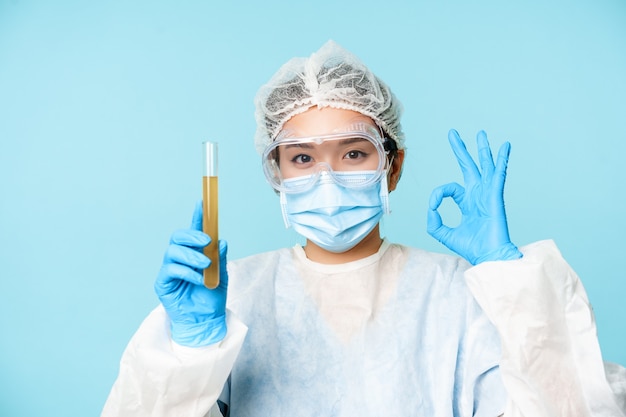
x: 330, y: 77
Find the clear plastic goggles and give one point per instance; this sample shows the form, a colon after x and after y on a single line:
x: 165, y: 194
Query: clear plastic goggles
x: 354, y: 158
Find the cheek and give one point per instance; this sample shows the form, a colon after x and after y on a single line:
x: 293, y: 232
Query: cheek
x: 286, y: 171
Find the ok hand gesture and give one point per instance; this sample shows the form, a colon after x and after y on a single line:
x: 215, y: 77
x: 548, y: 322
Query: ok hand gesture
x: 483, y: 233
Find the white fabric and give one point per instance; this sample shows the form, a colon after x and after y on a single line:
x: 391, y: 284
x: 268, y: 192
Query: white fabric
x: 159, y: 378
x: 551, y: 363
x: 616, y: 377
x: 397, y: 333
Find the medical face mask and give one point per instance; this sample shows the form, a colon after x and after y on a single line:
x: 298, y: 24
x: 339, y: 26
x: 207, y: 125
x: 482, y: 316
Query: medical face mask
x: 331, y: 215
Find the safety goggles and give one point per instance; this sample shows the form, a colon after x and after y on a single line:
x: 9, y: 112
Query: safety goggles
x: 352, y: 158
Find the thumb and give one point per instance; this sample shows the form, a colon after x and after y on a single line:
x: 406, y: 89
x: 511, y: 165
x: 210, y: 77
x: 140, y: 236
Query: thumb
x: 196, y: 220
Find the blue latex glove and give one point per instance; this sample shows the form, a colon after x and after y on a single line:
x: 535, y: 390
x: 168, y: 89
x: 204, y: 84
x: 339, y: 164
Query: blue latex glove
x: 483, y: 234
x: 197, y: 314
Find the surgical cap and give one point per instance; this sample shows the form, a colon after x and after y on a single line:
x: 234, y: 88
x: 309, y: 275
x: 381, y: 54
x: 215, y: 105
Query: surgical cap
x: 330, y: 77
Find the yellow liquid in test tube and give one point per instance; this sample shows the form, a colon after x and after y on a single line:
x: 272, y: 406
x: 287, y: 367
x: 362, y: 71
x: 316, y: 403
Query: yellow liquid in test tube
x: 209, y: 214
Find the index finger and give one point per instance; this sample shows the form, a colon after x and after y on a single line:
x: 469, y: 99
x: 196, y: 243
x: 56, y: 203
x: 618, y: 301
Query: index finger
x: 466, y: 162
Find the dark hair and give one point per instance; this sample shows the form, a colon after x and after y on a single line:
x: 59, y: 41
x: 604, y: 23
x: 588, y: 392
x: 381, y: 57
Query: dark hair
x: 391, y: 147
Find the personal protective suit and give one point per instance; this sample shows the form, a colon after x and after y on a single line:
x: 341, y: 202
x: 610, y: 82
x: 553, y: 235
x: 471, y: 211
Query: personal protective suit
x: 396, y: 333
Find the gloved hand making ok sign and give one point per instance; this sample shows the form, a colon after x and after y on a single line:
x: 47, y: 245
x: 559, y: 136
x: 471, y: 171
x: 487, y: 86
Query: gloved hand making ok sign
x: 483, y: 233
x: 197, y: 314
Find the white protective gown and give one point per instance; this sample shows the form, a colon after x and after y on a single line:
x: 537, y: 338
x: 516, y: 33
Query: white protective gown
x: 398, y: 333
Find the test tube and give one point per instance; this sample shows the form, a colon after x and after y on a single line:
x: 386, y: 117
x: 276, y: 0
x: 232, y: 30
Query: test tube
x: 209, y: 213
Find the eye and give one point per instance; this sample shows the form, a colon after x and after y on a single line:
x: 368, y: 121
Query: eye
x: 355, y: 154
x: 301, y: 159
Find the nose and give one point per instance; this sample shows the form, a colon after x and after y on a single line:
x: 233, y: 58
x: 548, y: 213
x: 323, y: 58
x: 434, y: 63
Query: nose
x: 324, y: 172
x: 324, y: 168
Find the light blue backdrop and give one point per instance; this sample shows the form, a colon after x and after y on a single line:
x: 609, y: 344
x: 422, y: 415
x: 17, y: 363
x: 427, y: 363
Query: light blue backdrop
x: 103, y: 106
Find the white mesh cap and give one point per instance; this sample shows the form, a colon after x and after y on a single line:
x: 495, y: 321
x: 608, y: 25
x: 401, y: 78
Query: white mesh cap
x: 330, y: 77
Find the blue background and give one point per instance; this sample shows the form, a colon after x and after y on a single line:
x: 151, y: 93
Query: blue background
x: 103, y: 106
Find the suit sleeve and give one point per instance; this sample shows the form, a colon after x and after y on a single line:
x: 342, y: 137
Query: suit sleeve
x: 158, y: 377
x: 551, y: 362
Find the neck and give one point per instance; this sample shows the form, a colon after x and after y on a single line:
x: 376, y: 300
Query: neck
x: 368, y: 246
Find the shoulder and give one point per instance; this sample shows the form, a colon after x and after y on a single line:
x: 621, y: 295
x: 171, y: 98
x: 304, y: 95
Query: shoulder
x: 252, y: 283
x: 257, y: 271
x: 440, y: 275
x: 427, y: 262
x: 260, y: 260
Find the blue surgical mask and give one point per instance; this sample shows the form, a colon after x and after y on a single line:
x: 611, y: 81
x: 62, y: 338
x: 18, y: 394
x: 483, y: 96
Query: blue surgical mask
x: 333, y: 216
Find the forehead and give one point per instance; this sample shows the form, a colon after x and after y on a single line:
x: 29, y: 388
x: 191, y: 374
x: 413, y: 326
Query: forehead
x: 322, y: 121
x: 329, y: 143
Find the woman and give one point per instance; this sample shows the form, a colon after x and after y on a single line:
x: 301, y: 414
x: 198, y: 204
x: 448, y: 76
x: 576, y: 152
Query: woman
x: 352, y: 324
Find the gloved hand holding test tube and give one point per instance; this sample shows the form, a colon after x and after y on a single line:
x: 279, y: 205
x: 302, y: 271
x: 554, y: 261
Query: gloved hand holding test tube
x: 192, y: 288
x: 209, y: 213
